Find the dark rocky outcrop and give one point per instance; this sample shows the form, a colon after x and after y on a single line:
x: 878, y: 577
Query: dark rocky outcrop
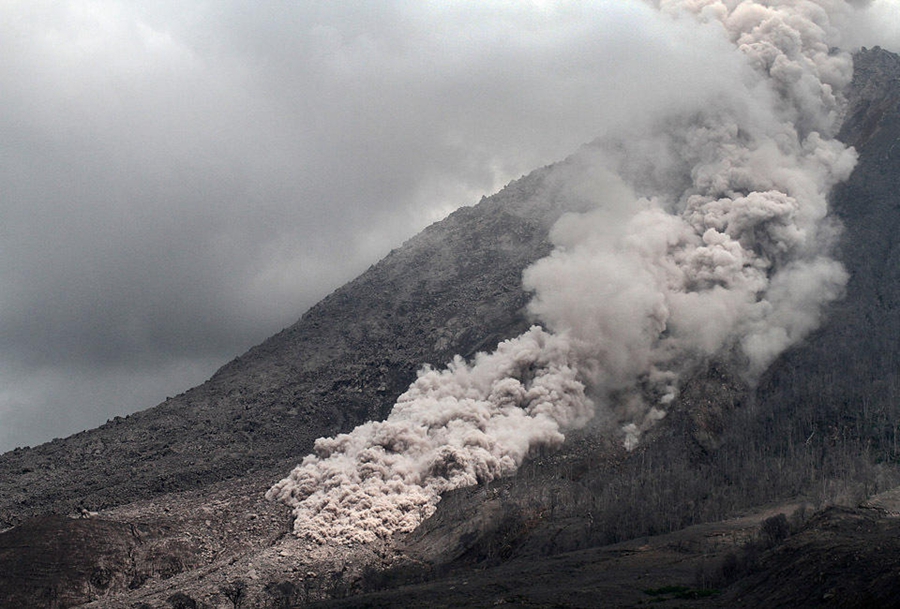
x: 55, y: 561
x: 844, y: 557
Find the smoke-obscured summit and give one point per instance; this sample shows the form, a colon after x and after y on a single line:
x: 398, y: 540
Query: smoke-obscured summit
x: 171, y: 499
x: 707, y: 235
x: 181, y: 184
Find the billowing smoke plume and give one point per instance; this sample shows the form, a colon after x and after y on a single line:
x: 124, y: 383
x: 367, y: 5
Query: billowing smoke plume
x: 710, y: 237
x: 468, y: 424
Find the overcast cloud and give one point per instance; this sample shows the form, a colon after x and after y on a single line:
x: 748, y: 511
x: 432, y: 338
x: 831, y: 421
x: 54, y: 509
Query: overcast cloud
x: 179, y: 181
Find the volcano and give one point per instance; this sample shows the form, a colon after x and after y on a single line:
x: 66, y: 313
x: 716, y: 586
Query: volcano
x: 701, y: 473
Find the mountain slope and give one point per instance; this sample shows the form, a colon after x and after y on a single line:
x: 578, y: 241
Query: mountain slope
x: 821, y: 424
x: 455, y: 288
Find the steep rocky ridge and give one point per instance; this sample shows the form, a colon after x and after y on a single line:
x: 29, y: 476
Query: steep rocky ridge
x: 454, y: 288
x: 853, y: 362
x: 821, y: 425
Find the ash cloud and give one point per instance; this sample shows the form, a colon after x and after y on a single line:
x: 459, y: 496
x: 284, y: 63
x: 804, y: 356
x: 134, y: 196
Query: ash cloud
x: 465, y: 425
x: 709, y: 238
x: 179, y: 182
x: 874, y: 23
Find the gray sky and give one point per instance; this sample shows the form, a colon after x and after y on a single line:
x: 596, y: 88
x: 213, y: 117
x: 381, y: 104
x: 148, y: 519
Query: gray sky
x: 180, y: 180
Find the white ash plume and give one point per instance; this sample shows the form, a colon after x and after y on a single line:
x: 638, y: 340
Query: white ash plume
x: 710, y: 236
x: 736, y: 257
x: 465, y: 425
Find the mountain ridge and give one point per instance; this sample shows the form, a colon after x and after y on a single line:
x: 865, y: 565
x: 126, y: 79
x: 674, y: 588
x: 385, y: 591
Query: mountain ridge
x: 345, y: 361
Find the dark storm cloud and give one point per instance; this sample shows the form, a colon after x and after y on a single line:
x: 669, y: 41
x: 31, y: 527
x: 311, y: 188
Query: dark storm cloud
x: 180, y: 180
